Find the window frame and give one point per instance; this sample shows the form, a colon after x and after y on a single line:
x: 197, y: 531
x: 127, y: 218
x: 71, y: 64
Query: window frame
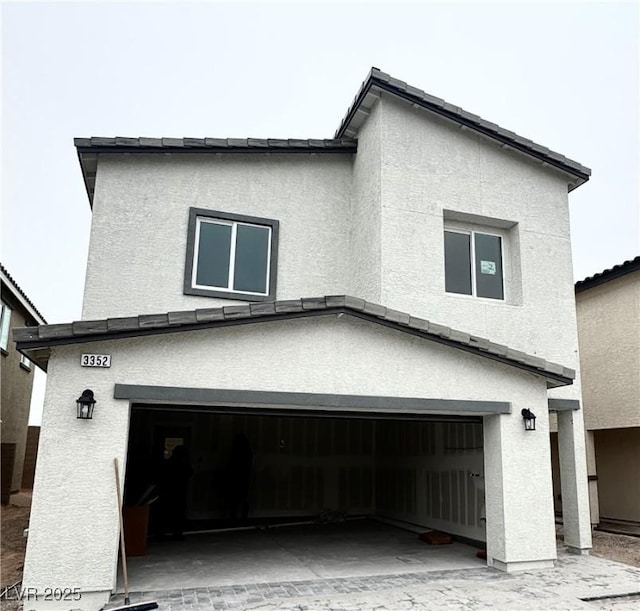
x: 472, y: 261
x: 25, y: 362
x: 199, y: 215
x: 5, y: 327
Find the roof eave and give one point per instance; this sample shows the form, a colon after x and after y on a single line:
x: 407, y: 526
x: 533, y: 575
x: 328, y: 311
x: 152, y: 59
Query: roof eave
x: 88, y: 149
x: 617, y: 271
x: 34, y: 338
x: 375, y: 85
x: 21, y: 297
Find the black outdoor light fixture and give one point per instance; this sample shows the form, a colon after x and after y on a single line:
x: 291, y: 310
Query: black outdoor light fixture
x: 85, y: 404
x: 529, y: 420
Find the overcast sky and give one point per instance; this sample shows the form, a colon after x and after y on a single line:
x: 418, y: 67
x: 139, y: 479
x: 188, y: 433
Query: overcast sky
x: 563, y: 75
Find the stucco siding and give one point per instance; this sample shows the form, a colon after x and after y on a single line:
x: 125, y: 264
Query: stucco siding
x: 510, y: 453
x: 431, y: 168
x: 365, y: 245
x: 74, y: 486
x: 370, y: 226
x: 609, y: 334
x: 139, y: 230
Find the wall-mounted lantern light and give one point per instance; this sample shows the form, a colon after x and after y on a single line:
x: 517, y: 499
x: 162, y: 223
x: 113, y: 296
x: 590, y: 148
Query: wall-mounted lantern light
x: 529, y: 420
x: 85, y: 404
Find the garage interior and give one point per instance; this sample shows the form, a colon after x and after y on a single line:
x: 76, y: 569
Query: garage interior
x: 328, y: 495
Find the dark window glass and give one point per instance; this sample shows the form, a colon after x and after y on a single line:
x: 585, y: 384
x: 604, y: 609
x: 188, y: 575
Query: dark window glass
x: 252, y: 248
x: 488, y: 266
x: 213, y: 255
x: 457, y: 262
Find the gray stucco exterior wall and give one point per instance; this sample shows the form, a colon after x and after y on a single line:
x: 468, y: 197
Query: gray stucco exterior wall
x: 431, y: 166
x: 141, y: 211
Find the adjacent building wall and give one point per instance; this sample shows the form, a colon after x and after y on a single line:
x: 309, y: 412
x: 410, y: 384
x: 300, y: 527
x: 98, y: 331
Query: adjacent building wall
x: 17, y: 383
x: 609, y: 333
x: 618, y: 460
x: 30, y: 457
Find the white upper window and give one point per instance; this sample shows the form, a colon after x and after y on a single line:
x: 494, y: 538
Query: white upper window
x: 473, y: 263
x: 230, y: 255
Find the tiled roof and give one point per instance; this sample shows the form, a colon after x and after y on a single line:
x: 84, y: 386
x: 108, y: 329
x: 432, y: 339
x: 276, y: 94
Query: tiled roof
x: 235, y: 145
x: 378, y: 81
x: 16, y: 288
x: 152, y: 324
x: 344, y: 142
x: 609, y: 274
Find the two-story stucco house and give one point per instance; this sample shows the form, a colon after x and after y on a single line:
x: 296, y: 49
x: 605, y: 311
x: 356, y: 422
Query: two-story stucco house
x: 373, y: 313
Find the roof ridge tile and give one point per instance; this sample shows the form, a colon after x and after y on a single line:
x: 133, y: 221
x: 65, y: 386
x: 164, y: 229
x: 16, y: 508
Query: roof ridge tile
x: 216, y: 142
x: 236, y: 311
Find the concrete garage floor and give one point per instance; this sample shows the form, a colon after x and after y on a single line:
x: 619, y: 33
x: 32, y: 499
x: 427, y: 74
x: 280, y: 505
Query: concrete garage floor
x: 292, y: 553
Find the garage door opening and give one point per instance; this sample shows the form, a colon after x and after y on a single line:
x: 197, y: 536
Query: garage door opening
x: 346, y: 480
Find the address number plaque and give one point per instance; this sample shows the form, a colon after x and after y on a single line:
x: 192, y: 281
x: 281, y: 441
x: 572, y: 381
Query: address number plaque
x: 95, y: 360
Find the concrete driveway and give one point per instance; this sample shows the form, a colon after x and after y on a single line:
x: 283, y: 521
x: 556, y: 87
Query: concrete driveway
x: 366, y: 567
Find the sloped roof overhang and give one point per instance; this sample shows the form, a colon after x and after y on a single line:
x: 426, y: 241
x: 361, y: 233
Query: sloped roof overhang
x: 36, y: 342
x: 30, y: 310
x: 378, y: 82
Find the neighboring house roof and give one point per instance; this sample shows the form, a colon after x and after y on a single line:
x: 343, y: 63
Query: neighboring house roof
x: 32, y: 340
x: 21, y: 296
x: 378, y: 82
x: 88, y: 149
x: 344, y: 142
x: 616, y: 271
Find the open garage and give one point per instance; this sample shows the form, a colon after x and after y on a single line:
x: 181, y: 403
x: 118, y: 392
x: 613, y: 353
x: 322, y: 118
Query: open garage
x: 359, y: 489
x: 345, y: 417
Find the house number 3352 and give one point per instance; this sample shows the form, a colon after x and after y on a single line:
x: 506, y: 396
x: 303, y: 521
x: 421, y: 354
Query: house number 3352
x: 95, y: 360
